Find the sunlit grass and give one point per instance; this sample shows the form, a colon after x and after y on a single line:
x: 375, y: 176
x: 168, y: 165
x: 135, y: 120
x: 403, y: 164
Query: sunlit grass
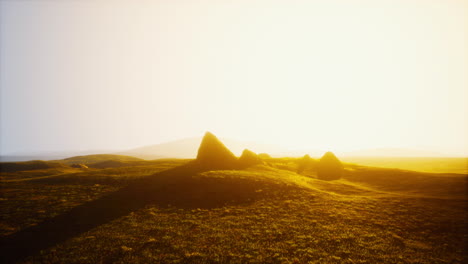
x: 434, y: 165
x: 369, y: 216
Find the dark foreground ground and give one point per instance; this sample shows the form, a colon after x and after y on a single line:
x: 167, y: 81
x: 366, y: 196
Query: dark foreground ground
x: 166, y: 212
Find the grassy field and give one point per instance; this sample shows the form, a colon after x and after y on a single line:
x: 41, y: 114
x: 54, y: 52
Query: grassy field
x: 430, y: 164
x: 167, y: 212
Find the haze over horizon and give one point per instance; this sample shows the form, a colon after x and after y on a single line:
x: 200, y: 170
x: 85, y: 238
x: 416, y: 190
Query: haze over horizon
x: 335, y: 75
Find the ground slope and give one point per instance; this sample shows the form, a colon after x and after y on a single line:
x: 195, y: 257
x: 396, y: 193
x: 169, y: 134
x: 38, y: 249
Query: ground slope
x: 30, y: 165
x: 263, y: 214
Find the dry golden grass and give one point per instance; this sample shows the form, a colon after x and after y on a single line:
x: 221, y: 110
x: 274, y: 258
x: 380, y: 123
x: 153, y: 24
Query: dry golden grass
x: 263, y: 214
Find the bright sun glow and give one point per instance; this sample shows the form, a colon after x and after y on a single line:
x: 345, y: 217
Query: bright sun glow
x: 339, y: 75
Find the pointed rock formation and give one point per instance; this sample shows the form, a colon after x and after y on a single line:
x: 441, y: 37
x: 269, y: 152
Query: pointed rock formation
x: 329, y: 167
x: 213, y: 154
x: 249, y: 158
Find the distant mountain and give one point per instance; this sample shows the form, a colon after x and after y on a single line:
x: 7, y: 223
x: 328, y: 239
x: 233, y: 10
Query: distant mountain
x: 18, y: 158
x: 48, y: 155
x: 187, y: 148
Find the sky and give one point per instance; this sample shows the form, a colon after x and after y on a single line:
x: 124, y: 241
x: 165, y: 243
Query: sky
x: 340, y: 75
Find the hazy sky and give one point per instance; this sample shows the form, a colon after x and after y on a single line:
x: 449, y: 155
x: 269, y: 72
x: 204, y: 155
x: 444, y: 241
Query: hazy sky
x: 330, y: 74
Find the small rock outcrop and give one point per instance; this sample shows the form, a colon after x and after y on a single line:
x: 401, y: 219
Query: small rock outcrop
x: 79, y: 166
x: 249, y: 158
x: 303, y: 163
x: 264, y: 156
x: 329, y: 167
x: 213, y: 154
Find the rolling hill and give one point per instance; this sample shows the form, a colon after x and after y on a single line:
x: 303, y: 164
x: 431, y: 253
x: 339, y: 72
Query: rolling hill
x: 88, y: 159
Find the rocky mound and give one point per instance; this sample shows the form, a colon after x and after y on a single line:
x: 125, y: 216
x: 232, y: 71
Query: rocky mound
x: 329, y: 167
x: 249, y: 158
x: 213, y: 154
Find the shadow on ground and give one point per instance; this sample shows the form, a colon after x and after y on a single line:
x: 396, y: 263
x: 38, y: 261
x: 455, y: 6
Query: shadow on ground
x: 175, y: 187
